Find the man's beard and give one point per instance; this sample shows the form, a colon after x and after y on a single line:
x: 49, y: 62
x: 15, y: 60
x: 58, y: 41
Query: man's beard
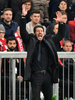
x: 7, y: 21
x: 12, y: 49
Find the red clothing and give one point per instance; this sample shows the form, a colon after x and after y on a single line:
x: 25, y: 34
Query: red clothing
x: 72, y: 30
x: 61, y: 43
x: 3, y: 46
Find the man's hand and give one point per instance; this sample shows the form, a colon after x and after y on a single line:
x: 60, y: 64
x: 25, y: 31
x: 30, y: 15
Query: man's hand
x: 24, y: 11
x: 20, y: 78
x: 59, y: 17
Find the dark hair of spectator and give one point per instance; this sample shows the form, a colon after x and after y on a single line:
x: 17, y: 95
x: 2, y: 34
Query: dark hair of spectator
x: 50, y: 28
x: 61, y: 1
x: 11, y: 39
x: 34, y: 11
x: 25, y: 1
x: 7, y: 9
x: 38, y: 26
x: 66, y: 41
x: 65, y: 2
x: 64, y: 13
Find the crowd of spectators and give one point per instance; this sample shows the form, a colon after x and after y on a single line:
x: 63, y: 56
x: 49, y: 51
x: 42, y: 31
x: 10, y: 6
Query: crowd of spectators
x: 37, y: 12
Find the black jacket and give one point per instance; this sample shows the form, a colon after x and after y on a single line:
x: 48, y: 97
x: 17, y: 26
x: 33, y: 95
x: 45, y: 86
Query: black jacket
x: 30, y: 41
x: 64, y: 36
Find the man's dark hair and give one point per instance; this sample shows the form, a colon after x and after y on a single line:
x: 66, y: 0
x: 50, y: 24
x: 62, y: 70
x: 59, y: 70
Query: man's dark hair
x: 63, y: 0
x: 11, y: 39
x: 68, y: 40
x: 35, y: 11
x: 38, y: 26
x: 25, y: 1
x: 7, y: 9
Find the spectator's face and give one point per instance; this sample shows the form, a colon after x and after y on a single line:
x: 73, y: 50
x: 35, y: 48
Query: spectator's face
x: 2, y: 33
x: 35, y: 18
x: 11, y: 45
x: 63, y: 6
x: 39, y: 33
x: 56, y: 28
x: 7, y: 16
x: 64, y: 17
x: 27, y: 6
x: 67, y: 47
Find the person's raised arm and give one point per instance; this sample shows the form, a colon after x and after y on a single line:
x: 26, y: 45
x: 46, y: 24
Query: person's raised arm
x: 24, y: 34
x: 61, y: 30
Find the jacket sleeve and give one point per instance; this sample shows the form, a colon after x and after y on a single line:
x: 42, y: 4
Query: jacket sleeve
x: 24, y: 34
x: 17, y: 19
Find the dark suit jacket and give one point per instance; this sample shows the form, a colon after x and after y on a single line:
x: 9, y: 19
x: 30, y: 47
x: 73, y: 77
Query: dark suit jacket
x: 30, y: 41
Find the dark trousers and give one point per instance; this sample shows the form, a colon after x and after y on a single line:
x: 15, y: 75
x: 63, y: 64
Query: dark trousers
x: 41, y: 82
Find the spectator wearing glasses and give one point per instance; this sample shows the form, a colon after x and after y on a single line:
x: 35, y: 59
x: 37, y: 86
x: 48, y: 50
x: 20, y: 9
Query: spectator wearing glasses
x: 26, y: 5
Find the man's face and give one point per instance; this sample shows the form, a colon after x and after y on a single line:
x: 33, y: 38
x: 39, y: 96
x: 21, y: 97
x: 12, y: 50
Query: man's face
x: 64, y: 17
x: 67, y: 47
x: 7, y: 16
x: 11, y: 45
x: 39, y: 33
x: 2, y: 33
x: 35, y: 18
x: 63, y: 5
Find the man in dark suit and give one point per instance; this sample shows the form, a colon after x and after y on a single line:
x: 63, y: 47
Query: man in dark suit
x: 42, y: 61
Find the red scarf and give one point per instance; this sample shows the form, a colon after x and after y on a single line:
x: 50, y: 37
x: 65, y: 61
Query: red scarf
x: 20, y: 45
x: 61, y: 43
x: 60, y: 62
